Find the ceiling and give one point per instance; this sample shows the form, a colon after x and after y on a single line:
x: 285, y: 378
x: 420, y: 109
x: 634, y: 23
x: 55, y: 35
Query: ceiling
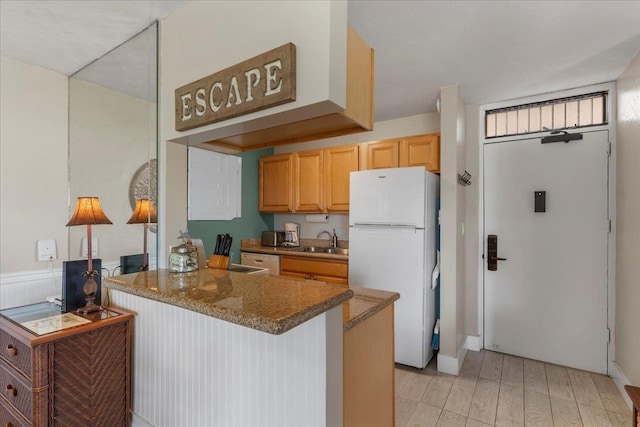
x: 494, y: 50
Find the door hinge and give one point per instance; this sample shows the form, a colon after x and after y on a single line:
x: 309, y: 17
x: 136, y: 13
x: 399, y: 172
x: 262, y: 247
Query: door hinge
x: 609, y: 226
x: 609, y: 149
x: 608, y: 335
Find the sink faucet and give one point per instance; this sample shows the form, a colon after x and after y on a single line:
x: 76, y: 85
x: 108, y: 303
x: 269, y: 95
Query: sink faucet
x: 333, y: 238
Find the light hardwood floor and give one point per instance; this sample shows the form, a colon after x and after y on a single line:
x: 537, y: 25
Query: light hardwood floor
x: 500, y: 390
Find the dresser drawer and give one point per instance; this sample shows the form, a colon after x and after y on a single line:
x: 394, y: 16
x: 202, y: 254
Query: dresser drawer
x: 16, y: 353
x: 9, y: 417
x: 15, y: 390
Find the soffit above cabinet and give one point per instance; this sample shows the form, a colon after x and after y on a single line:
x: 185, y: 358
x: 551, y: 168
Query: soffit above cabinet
x: 316, y: 121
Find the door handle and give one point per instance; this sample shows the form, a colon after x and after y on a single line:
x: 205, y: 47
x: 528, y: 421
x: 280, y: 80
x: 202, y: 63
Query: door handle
x: 492, y: 252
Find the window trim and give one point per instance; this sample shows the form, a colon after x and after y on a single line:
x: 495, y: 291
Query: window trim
x: 599, y: 94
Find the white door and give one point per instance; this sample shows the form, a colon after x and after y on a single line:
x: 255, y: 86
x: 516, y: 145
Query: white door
x: 548, y: 300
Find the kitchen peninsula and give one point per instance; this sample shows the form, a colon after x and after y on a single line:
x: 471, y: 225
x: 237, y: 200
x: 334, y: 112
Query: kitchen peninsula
x: 214, y: 347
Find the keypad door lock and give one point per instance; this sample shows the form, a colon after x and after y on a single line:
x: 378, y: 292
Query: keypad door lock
x: 492, y: 253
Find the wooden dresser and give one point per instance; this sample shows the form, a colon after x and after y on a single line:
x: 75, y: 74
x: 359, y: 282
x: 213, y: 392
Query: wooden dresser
x: 78, y: 376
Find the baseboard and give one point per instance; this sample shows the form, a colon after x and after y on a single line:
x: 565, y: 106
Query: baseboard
x: 452, y: 365
x: 621, y: 380
x: 472, y: 342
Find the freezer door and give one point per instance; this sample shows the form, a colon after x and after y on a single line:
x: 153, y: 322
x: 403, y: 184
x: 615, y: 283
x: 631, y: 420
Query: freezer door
x: 393, y: 259
x: 388, y: 196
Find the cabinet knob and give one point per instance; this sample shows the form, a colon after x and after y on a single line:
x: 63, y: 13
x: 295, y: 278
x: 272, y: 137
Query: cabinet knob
x: 9, y: 424
x: 11, y: 391
x: 11, y: 350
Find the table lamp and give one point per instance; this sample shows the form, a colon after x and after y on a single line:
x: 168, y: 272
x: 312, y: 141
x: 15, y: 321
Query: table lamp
x: 144, y: 213
x: 88, y: 212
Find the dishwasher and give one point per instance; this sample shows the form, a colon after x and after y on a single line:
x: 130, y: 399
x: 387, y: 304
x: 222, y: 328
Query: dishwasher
x: 270, y: 262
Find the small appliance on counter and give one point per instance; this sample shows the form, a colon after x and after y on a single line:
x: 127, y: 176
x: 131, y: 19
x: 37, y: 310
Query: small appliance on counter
x: 291, y: 234
x: 272, y: 238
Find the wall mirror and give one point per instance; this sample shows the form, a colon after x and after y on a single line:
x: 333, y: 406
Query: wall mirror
x: 113, y: 146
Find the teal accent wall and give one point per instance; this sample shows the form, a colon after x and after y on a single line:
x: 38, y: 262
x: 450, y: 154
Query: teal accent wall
x: 250, y: 225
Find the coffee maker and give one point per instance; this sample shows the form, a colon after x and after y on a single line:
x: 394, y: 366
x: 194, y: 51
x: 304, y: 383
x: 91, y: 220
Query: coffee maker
x: 291, y: 234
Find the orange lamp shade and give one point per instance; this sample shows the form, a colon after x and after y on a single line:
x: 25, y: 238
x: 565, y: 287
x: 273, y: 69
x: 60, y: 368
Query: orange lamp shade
x: 143, y: 213
x: 88, y: 212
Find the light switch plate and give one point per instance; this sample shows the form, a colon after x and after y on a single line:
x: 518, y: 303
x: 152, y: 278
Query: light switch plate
x: 47, y: 250
x: 94, y: 247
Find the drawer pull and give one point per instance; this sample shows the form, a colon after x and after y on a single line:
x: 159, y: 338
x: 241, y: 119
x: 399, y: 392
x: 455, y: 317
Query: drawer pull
x: 11, y: 350
x: 11, y: 391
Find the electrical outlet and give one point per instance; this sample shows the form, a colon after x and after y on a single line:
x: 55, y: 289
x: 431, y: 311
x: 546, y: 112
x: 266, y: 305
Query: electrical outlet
x: 47, y: 250
x: 94, y: 247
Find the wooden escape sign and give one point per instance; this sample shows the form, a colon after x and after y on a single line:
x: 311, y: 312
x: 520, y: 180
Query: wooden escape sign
x: 263, y: 81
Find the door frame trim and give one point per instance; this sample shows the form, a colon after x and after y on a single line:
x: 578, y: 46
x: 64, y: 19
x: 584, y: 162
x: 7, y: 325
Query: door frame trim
x: 611, y: 128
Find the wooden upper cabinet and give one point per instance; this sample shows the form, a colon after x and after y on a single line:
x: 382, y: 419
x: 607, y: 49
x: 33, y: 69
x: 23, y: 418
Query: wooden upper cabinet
x: 276, y: 183
x: 308, y: 182
x: 421, y: 150
x: 339, y: 162
x: 383, y: 154
x: 418, y: 150
x: 318, y: 180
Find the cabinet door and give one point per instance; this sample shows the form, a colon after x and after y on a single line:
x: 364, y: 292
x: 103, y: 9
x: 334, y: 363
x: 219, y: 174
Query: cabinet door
x: 382, y: 154
x: 308, y: 181
x: 421, y: 150
x: 339, y: 162
x: 325, y: 270
x: 276, y: 173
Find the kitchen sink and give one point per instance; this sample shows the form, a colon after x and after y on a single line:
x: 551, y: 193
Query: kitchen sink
x: 314, y: 249
x: 337, y: 251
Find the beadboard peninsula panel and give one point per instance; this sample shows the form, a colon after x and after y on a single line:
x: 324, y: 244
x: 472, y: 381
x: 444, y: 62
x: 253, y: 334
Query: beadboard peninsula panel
x: 216, y: 373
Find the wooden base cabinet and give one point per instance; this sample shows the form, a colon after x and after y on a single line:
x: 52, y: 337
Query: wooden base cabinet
x: 74, y: 377
x: 369, y: 372
x: 322, y: 269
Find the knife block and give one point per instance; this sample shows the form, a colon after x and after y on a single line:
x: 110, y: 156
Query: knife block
x: 218, y: 261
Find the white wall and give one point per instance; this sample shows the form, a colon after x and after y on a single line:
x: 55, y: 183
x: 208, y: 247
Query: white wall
x: 204, y: 37
x: 452, y: 244
x: 405, y: 126
x: 33, y: 170
x: 628, y: 229
x: 472, y: 224
x: 110, y: 136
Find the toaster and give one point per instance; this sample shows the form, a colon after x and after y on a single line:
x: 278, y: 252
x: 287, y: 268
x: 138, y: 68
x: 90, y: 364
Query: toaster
x: 272, y: 238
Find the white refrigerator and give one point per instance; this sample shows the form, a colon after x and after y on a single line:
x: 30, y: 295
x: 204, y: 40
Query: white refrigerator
x: 392, y: 246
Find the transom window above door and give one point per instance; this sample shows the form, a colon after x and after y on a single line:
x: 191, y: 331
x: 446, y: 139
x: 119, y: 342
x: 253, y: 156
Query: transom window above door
x: 562, y: 113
